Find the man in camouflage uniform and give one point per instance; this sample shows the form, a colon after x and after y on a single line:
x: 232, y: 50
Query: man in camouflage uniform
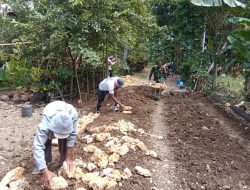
x: 159, y: 73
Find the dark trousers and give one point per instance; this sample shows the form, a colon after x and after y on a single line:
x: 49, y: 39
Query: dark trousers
x: 110, y: 73
x: 62, y: 150
x: 100, y: 97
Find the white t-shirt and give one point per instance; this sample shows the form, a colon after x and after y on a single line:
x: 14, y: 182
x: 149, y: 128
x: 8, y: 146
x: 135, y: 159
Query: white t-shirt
x: 108, y: 84
x: 110, y: 63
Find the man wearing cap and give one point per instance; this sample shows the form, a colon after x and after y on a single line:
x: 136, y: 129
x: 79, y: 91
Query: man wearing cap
x: 109, y: 86
x: 59, y: 120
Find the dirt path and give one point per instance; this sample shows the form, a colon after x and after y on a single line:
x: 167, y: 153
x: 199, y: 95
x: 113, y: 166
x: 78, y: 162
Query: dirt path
x: 163, y: 171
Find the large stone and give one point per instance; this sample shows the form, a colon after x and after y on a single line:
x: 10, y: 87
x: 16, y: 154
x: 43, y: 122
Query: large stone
x: 3, y: 187
x: 102, y: 136
x: 90, y: 176
x: 90, y: 148
x: 121, y: 150
x: 142, y: 171
x: 115, y: 175
x: 142, y: 146
x: 151, y: 153
x: 127, y: 108
x: 106, y: 172
x: 80, y: 188
x: 126, y: 173
x: 20, y: 184
x: 100, y: 159
x: 78, y: 173
x: 12, y: 175
x: 64, y: 171
x: 113, y: 158
x: 79, y: 163
x: 84, y: 121
x: 99, y: 183
x: 91, y: 167
x: 5, y: 98
x: 111, y: 185
x: 58, y: 183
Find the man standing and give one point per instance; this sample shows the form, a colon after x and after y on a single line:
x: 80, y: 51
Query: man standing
x: 59, y: 121
x: 158, y: 72
x: 110, y: 62
x: 109, y: 86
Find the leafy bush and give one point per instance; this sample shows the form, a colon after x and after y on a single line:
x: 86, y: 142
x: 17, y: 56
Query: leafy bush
x: 18, y: 74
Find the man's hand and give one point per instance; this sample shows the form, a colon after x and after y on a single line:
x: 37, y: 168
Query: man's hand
x: 47, y: 176
x: 70, y: 165
x: 69, y: 157
x: 150, y: 82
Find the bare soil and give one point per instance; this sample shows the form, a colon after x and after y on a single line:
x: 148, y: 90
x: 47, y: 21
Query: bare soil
x: 202, y: 148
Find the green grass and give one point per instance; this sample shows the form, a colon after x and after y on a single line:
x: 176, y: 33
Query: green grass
x: 231, y: 86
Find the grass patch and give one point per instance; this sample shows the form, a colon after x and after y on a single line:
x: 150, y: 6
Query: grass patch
x: 231, y: 86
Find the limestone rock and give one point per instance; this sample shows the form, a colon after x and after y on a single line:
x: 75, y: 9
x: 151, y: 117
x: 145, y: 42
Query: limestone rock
x: 109, y: 128
x: 127, y: 112
x: 100, y: 159
x: 142, y: 171
x: 106, y: 172
x: 88, y: 139
x: 126, y: 173
x: 90, y: 148
x: 64, y: 171
x: 90, y: 176
x: 111, y: 142
x: 99, y: 183
x: 20, y: 184
x: 142, y: 146
x: 127, y: 108
x: 151, y: 153
x: 58, y: 183
x: 141, y: 131
x: 78, y: 173
x: 85, y: 120
x: 80, y: 188
x: 102, y: 136
x: 12, y: 175
x: 111, y: 185
x: 4, y: 98
x: 113, y: 158
x: 121, y: 150
x: 91, y: 167
x: 116, y: 175
x: 125, y: 127
x: 3, y: 187
x: 79, y: 163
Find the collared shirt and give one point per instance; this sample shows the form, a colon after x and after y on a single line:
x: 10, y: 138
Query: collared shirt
x: 43, y: 133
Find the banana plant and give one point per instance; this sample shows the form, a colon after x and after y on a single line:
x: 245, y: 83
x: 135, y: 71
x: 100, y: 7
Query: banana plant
x: 217, y: 3
x: 240, y: 43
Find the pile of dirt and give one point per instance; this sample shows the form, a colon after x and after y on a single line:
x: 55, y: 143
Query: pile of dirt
x: 212, y: 151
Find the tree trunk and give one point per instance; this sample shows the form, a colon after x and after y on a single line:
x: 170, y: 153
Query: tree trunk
x: 87, y: 76
x: 215, y: 76
x: 247, y: 85
x: 71, y: 88
x: 94, y: 82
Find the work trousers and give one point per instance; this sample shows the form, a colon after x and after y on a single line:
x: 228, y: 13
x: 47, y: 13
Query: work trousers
x: 62, y: 150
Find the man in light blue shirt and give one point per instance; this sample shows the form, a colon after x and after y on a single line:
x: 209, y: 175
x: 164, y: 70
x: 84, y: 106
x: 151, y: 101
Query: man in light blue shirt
x: 59, y: 121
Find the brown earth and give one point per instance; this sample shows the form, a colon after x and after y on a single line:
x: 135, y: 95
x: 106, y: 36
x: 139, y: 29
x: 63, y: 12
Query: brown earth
x: 202, y: 148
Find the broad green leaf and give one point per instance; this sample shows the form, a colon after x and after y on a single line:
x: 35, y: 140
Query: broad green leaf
x: 216, y: 3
